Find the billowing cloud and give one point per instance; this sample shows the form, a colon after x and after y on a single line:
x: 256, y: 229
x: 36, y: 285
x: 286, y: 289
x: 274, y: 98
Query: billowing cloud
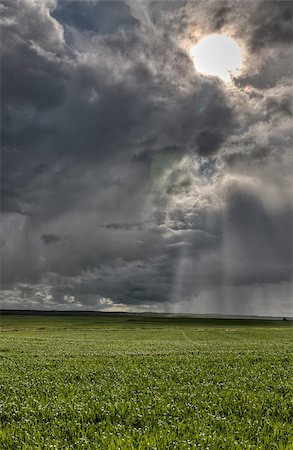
x: 129, y: 180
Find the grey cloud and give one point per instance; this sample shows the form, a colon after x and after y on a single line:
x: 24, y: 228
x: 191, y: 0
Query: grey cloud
x: 171, y: 187
x: 95, y: 16
x: 272, y: 24
x: 267, y: 24
x: 221, y: 15
x: 32, y: 55
x: 127, y: 226
x: 49, y: 239
x: 33, y: 82
x: 19, y: 255
x: 209, y: 142
x: 257, y: 246
x: 280, y: 104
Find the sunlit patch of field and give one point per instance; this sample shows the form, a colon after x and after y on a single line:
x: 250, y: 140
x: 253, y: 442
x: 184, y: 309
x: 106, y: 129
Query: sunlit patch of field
x: 90, y: 383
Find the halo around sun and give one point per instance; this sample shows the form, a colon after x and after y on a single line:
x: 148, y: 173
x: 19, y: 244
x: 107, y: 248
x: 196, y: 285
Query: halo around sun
x: 217, y: 55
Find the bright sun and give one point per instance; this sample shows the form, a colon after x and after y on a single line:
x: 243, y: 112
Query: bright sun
x: 217, y: 55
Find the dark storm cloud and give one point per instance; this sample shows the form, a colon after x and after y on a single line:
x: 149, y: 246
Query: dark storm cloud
x: 272, y: 24
x: 49, y: 239
x: 33, y: 85
x: 209, y: 142
x: 260, y: 236
x: 170, y: 185
x: 91, y: 16
x: 32, y: 72
x: 221, y: 15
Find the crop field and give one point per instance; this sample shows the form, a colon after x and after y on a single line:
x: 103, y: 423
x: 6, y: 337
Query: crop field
x: 137, y: 382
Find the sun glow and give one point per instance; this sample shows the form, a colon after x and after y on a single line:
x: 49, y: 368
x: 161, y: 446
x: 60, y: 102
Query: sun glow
x: 217, y: 55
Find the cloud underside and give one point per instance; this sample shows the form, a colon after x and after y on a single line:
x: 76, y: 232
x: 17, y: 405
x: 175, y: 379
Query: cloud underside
x: 130, y: 181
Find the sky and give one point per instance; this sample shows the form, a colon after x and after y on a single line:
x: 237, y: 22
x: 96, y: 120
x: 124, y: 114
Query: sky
x: 131, y: 182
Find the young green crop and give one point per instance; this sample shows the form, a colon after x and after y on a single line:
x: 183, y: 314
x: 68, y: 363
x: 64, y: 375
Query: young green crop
x: 118, y: 384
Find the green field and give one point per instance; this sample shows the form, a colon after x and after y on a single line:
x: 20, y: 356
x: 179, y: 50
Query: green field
x: 136, y: 382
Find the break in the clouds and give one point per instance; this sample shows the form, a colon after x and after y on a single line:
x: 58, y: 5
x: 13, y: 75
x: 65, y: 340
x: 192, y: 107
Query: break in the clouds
x: 129, y: 180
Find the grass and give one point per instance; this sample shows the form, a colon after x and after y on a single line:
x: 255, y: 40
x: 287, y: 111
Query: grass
x: 137, y: 382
